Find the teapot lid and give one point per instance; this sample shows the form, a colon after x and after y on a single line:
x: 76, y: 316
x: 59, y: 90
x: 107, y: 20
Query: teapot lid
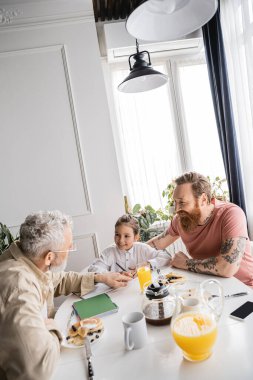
x: 156, y: 290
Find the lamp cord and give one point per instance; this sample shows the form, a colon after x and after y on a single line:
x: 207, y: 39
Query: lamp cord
x: 137, y: 45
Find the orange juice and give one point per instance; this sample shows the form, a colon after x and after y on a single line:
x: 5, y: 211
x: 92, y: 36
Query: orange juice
x: 195, y: 333
x: 144, y: 276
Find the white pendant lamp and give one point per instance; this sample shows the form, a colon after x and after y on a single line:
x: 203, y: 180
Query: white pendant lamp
x: 165, y: 20
x: 142, y: 76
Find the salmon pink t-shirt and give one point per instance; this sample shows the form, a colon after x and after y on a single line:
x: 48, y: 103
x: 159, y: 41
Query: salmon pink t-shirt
x: 227, y: 221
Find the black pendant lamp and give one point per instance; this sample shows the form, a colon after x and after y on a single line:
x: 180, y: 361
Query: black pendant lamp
x: 142, y: 76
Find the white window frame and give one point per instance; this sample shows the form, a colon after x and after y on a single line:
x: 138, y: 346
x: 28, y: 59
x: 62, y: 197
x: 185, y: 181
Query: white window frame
x: 172, y: 63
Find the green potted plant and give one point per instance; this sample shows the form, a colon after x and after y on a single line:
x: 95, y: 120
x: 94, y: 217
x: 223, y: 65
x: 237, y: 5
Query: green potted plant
x: 168, y: 195
x: 6, y: 238
x: 219, y: 188
x: 145, y: 216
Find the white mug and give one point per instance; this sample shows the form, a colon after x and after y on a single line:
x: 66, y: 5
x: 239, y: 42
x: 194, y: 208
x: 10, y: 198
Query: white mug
x: 135, y: 330
x: 190, y: 304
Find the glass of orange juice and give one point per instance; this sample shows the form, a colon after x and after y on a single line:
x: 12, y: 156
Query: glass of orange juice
x: 195, y: 333
x: 144, y: 274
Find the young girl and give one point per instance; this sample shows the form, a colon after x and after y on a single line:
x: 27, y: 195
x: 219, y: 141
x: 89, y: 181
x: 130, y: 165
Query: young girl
x: 127, y: 252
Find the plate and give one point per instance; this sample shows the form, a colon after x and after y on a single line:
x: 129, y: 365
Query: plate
x: 172, y: 278
x: 92, y: 336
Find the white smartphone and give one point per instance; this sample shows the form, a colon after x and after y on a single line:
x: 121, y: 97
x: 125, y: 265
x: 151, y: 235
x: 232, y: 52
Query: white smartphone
x: 243, y: 311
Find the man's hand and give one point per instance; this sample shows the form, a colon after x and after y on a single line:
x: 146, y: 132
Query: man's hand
x: 226, y: 264
x: 113, y: 280
x: 179, y: 260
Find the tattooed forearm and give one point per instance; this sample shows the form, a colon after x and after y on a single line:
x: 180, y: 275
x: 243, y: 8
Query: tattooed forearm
x: 165, y: 233
x: 210, y: 263
x: 159, y: 237
x: 161, y: 241
x: 192, y: 265
x: 224, y: 264
x: 232, y: 254
x: 200, y: 266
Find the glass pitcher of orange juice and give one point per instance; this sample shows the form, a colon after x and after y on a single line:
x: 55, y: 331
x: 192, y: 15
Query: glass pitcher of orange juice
x: 194, y: 322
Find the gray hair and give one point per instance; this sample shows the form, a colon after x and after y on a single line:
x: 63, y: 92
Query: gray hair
x: 42, y: 232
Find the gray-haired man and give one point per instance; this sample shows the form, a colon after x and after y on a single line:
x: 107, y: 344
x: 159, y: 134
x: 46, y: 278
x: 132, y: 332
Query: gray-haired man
x: 31, y: 275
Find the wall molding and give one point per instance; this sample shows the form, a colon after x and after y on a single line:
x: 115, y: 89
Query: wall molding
x: 44, y: 11
x: 74, y: 120
x: 61, y: 49
x: 91, y: 236
x: 7, y: 16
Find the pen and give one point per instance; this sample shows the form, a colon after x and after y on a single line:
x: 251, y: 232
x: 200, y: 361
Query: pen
x: 236, y: 295
x: 232, y: 295
x: 121, y: 267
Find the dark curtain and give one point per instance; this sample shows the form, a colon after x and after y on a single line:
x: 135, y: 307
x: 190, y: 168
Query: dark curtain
x: 217, y: 70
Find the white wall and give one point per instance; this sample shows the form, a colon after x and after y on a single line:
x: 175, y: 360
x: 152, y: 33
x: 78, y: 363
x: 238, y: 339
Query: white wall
x: 56, y: 145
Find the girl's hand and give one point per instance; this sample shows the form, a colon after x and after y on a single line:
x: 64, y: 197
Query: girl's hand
x: 133, y: 272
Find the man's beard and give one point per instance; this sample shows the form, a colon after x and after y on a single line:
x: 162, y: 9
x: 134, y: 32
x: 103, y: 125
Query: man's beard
x: 58, y: 268
x: 189, y: 221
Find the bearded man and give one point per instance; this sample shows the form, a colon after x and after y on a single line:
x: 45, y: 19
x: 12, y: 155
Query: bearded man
x: 31, y: 275
x: 214, y: 232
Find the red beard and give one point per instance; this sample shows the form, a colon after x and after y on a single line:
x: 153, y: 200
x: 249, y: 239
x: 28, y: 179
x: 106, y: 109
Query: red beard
x: 189, y: 221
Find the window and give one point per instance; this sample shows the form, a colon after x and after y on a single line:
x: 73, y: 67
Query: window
x: 148, y: 141
x: 197, y: 108
x: 237, y: 29
x: 166, y: 131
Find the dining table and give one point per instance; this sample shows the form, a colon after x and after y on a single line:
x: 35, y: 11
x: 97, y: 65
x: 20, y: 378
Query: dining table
x: 160, y: 358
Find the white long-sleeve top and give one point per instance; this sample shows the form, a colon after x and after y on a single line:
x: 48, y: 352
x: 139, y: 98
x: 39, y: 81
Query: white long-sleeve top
x: 140, y: 252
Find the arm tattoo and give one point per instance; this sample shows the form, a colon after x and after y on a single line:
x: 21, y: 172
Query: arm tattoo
x: 226, y: 246
x: 232, y: 255
x: 208, y: 265
x: 231, y: 251
x: 165, y: 233
x: 154, y: 242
